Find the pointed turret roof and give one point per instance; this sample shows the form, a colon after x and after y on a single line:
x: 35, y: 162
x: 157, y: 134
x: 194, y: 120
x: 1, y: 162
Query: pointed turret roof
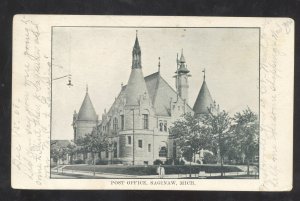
x: 182, y: 65
x: 87, y: 111
x: 136, y: 47
x: 136, y: 54
x: 203, y: 101
x: 136, y: 86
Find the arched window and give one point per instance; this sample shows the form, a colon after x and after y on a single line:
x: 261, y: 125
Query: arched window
x: 163, y: 152
x: 115, y: 124
x: 145, y: 121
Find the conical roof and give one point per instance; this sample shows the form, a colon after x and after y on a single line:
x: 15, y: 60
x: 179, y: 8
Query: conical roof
x: 136, y: 87
x: 87, y: 111
x: 203, y: 101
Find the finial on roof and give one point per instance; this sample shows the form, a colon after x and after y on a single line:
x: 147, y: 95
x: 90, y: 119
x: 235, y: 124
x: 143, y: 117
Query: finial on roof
x: 158, y: 64
x: 182, y: 59
x: 136, y: 33
x: 203, y: 74
x: 87, y: 88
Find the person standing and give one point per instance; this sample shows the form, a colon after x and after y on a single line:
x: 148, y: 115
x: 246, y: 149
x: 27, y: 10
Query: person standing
x: 160, y: 171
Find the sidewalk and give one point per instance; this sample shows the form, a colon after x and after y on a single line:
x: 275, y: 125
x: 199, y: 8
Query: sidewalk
x: 89, y: 174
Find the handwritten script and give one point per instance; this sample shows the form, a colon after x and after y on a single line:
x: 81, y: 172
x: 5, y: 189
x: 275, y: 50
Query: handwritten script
x: 32, y: 108
x: 271, y: 52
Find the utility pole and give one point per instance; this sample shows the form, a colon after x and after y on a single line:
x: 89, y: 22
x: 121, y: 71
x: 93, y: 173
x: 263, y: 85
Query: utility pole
x: 132, y: 136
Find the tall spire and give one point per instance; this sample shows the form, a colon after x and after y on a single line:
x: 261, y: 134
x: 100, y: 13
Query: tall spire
x: 136, y: 86
x: 182, y: 59
x: 182, y: 66
x: 182, y: 74
x: 136, y: 54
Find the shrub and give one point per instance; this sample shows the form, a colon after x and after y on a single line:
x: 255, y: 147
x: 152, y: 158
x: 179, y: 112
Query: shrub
x: 169, y: 161
x: 181, y: 162
x: 106, y: 162
x: 157, y: 162
x: 209, y: 158
x: 101, y: 162
x: 78, y: 161
x: 117, y: 161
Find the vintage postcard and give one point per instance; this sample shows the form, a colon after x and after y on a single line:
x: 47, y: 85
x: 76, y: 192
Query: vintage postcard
x: 155, y: 103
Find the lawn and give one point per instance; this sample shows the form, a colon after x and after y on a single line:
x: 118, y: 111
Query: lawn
x: 151, y: 169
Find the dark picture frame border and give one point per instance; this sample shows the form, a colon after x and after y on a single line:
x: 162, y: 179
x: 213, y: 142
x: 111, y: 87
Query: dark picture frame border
x: 229, y: 8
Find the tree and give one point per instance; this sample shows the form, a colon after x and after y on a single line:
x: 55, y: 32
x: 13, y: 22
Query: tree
x: 217, y: 125
x: 191, y: 135
x: 57, y: 152
x: 247, y: 134
x: 93, y: 143
x: 71, y: 150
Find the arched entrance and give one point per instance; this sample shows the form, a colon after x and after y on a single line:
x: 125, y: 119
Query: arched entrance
x: 163, y: 150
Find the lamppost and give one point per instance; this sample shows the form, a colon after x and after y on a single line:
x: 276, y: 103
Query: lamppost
x: 132, y: 136
x: 69, y: 79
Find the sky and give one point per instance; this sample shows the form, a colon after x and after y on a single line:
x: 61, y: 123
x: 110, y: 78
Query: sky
x: 101, y: 57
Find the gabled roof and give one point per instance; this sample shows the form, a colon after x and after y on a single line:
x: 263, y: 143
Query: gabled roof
x: 87, y: 111
x: 203, y: 101
x: 160, y: 93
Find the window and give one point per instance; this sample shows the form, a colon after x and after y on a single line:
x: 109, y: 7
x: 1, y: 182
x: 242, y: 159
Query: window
x: 145, y: 120
x: 140, y: 144
x: 161, y: 125
x: 163, y: 152
x: 106, y: 154
x: 128, y: 139
x: 122, y: 122
x: 149, y: 147
x: 115, y: 124
x: 165, y: 126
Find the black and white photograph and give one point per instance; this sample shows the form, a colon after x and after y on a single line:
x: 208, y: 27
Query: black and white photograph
x: 152, y: 103
x: 155, y: 102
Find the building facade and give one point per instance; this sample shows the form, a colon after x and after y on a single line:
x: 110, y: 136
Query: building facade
x: 138, y: 122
